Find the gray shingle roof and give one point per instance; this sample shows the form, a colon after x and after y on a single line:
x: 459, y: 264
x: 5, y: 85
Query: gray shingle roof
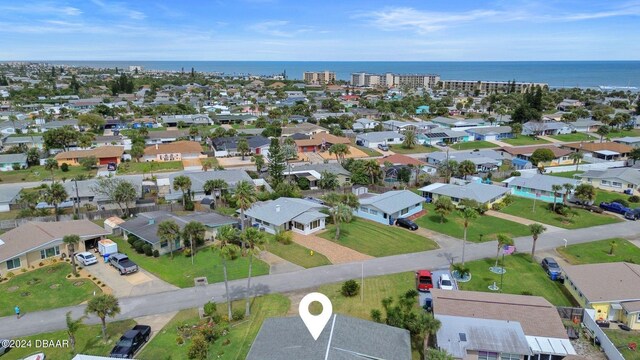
x: 13, y: 158
x: 343, y: 338
x: 539, y: 182
x: 380, y: 136
x: 330, y: 167
x: 630, y: 175
x: 472, y: 191
x: 393, y: 201
x: 282, y: 210
x: 490, y: 130
x: 231, y: 143
x: 460, y: 156
x: 199, y: 178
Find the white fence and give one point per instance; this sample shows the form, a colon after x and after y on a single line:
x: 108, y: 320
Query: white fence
x: 606, y: 344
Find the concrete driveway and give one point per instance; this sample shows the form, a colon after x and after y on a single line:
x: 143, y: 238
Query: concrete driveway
x: 139, y: 283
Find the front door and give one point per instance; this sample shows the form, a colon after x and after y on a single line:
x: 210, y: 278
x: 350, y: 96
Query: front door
x: 613, y: 314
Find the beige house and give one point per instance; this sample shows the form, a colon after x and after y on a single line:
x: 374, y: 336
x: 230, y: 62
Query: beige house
x: 175, y: 151
x: 617, y: 179
x: 30, y: 243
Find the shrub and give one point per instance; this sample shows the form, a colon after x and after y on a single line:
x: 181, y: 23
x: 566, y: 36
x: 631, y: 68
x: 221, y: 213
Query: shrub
x: 187, y: 252
x: 23, y: 270
x: 64, y: 167
x: 148, y: 249
x: 303, y: 183
x: 621, y: 201
x: 40, y: 264
x: 238, y: 314
x: 528, y: 293
x: 10, y: 274
x: 132, y: 240
x: 284, y: 237
x: 139, y: 246
x: 179, y: 340
x: 210, y: 308
x: 515, y: 173
x: 634, y: 199
x: 350, y: 288
x: 215, y: 317
x: 98, y: 282
x: 199, y: 348
x: 156, y: 253
x: 16, y: 167
x: 497, y: 206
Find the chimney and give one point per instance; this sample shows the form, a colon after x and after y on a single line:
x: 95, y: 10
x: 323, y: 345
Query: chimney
x: 277, y: 208
x: 156, y: 146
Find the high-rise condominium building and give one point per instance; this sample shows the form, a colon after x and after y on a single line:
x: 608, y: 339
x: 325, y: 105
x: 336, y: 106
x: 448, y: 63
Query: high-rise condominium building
x: 319, y: 77
x: 393, y: 80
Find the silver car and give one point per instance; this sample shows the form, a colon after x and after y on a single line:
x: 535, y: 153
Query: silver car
x: 86, y: 258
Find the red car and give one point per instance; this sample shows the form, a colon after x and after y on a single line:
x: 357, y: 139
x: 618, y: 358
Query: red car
x: 424, y: 281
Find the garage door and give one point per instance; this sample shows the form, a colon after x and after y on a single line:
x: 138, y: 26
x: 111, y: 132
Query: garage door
x: 105, y: 161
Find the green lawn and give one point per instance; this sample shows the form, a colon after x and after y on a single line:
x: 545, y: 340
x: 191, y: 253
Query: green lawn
x: 149, y: 167
x: 523, y: 207
x: 573, y: 137
x: 525, y: 140
x: 240, y: 336
x: 375, y: 239
x: 418, y: 149
x: 179, y: 271
x: 297, y: 254
x: 367, y: 150
x: 38, y: 173
x: 487, y: 226
x: 623, y: 133
x: 566, y: 174
x: 621, y: 339
x: 609, y: 196
x: 523, y: 277
x: 598, y: 252
x: 471, y: 145
x: 88, y: 341
x: 43, y: 289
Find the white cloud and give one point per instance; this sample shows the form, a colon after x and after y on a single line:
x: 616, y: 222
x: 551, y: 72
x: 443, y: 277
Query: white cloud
x: 118, y: 8
x: 46, y: 8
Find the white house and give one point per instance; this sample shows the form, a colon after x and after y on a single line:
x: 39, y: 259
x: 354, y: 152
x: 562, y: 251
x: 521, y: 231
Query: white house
x: 373, y: 139
x: 298, y: 215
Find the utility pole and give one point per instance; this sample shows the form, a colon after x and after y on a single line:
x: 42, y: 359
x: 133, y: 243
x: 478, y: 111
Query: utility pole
x: 77, y: 198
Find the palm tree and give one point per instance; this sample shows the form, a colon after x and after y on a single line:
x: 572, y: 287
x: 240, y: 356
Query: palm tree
x: 443, y: 207
x: 576, y: 157
x: 228, y: 251
x: 466, y: 167
x: 503, y: 240
x: 556, y: 188
x: 341, y: 213
x: 213, y: 185
x: 54, y: 194
x: 516, y: 129
x: 243, y: 147
x: 168, y: 231
x: 602, y: 131
x: 253, y: 238
x: 103, y: 306
x: 468, y: 214
x: 410, y: 140
x: 72, y: 241
x: 339, y: 150
x: 431, y: 327
x: 372, y: 168
x: 194, y: 233
x: 258, y: 159
x: 535, y: 230
x: 245, y: 196
x: 51, y: 164
x: 635, y: 155
x: 585, y: 192
x: 72, y: 328
x: 567, y: 189
x: 182, y: 183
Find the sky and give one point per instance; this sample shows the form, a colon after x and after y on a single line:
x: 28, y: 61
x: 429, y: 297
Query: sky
x: 328, y: 30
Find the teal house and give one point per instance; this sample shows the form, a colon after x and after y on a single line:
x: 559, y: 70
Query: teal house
x: 424, y: 109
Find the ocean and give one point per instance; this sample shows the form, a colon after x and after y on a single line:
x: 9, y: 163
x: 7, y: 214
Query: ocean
x: 555, y: 73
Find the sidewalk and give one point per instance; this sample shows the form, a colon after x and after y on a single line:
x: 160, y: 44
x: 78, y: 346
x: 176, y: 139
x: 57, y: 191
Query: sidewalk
x: 523, y: 221
x: 278, y: 265
x: 550, y: 139
x: 336, y: 253
x: 500, y: 143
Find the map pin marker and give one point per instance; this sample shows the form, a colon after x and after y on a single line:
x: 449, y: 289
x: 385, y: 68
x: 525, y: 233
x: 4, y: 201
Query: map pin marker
x: 315, y: 323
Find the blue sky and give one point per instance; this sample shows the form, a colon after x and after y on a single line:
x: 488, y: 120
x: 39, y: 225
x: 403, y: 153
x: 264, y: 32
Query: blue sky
x: 428, y: 30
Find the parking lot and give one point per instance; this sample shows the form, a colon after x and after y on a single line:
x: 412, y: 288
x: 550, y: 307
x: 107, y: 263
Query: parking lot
x: 435, y: 276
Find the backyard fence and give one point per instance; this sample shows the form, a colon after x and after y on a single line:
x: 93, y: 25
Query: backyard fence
x: 571, y: 313
x: 596, y: 332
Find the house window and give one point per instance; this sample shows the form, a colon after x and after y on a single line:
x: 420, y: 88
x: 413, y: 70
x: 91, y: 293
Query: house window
x: 13, y: 263
x: 315, y: 224
x: 47, y: 253
x: 637, y: 317
x: 373, y: 212
x: 164, y: 244
x: 364, y: 209
x: 617, y: 184
x: 485, y: 355
x: 605, y: 182
x: 298, y: 226
x: 507, y: 356
x: 404, y: 211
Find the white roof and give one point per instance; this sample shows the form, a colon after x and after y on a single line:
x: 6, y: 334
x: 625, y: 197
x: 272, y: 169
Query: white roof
x: 553, y: 346
x: 164, y: 182
x: 606, y: 152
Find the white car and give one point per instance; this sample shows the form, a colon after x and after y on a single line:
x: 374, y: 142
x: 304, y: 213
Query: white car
x: 86, y: 258
x: 445, y: 282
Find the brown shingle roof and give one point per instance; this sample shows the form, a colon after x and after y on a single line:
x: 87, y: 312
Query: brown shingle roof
x: 606, y: 282
x: 536, y: 315
x: 631, y: 306
x: 528, y: 150
x: 317, y: 139
x: 32, y: 235
x: 182, y: 147
x: 593, y: 146
x: 99, y: 152
x: 399, y: 159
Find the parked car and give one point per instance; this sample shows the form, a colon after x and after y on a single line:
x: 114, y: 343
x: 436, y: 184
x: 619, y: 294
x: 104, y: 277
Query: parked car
x: 86, y: 258
x: 131, y: 342
x: 407, y: 224
x: 576, y: 200
x: 424, y: 281
x: 445, y: 282
x: 441, y: 143
x: 112, y: 166
x: 614, y: 207
x: 122, y: 263
x: 550, y: 265
x: 633, y: 214
x: 383, y: 147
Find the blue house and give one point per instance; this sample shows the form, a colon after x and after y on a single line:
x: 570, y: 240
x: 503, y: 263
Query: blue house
x: 491, y: 133
x: 386, y: 208
x: 423, y: 109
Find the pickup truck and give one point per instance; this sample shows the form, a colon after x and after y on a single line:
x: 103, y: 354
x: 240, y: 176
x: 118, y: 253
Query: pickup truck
x: 614, y: 207
x: 131, y: 342
x: 122, y: 263
x: 424, y: 280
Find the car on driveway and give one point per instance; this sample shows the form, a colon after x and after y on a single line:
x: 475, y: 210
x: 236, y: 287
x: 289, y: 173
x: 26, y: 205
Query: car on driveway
x: 131, y: 342
x: 424, y: 280
x: 383, y: 147
x: 407, y: 224
x: 633, y: 214
x: 122, y: 263
x: 614, y: 207
x: 86, y: 258
x: 445, y: 282
x: 550, y: 265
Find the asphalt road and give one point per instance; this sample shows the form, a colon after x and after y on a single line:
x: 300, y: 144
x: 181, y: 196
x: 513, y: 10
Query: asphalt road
x: 136, y: 306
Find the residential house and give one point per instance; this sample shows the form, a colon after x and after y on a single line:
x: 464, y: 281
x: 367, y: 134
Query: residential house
x: 59, y: 124
x: 145, y: 227
x: 364, y: 124
x: 235, y: 119
x: 569, y: 104
x: 308, y: 129
x: 399, y: 159
x: 629, y: 140
x: 538, y: 128
x: 187, y: 120
x: 481, y: 325
x: 30, y: 243
x: 199, y: 178
x: 615, y: 179
x: 386, y: 208
x: 457, y: 124
x: 343, y: 338
x: 520, y: 156
x: 319, y: 142
x: 373, y: 139
x: 443, y: 135
x: 484, y: 194
x: 9, y: 162
x: 607, y: 150
x: 28, y: 141
x: 82, y: 191
x: 313, y: 173
x: 299, y: 215
x: 9, y: 195
x: 593, y: 286
x: 395, y: 125
x: 228, y: 146
x: 104, y: 155
x: 585, y: 125
x: 176, y: 151
x: 165, y: 136
x: 539, y: 187
x: 491, y: 133
x: 484, y: 159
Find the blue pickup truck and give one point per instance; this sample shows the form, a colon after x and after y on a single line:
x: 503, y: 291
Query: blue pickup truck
x: 614, y: 207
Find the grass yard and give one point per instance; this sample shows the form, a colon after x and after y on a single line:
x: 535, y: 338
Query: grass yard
x: 88, y: 341
x: 241, y: 335
x: 375, y: 239
x: 418, y: 149
x: 609, y: 196
x: 598, y: 252
x: 523, y: 207
x: 43, y: 289
x: 367, y: 150
x: 39, y: 173
x: 621, y: 339
x: 573, y: 137
x: 297, y: 254
x: 471, y: 145
x: 179, y: 271
x: 9, y: 215
x: 525, y: 140
x: 566, y: 174
x: 622, y: 133
x: 487, y: 226
x: 148, y: 167
x: 523, y: 277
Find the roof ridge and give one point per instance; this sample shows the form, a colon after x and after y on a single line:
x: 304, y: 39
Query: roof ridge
x: 42, y: 229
